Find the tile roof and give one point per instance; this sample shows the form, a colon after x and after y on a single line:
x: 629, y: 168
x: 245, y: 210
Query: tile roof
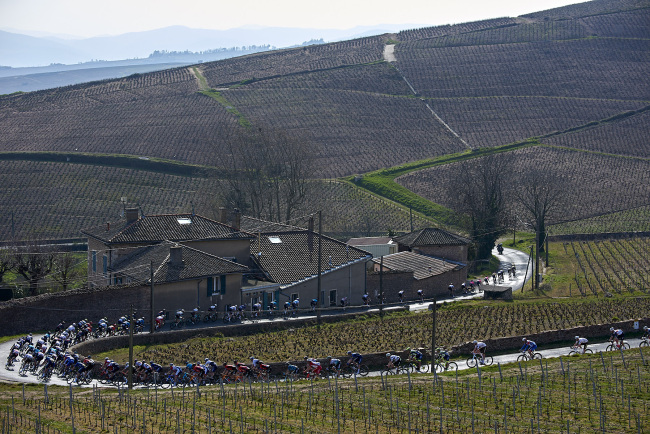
x: 253, y: 226
x: 422, y: 266
x: 157, y: 228
x: 289, y: 257
x: 432, y: 237
x: 196, y: 264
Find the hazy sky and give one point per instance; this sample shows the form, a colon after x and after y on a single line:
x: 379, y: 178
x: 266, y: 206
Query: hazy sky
x: 94, y: 18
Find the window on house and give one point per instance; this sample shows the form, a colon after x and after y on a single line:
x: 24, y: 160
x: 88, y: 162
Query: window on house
x: 94, y: 260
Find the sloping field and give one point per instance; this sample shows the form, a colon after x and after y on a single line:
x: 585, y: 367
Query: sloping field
x: 499, y: 120
x: 82, y: 196
x: 356, y: 131
x: 155, y: 115
x: 625, y: 136
x: 290, y: 61
x: 595, y: 184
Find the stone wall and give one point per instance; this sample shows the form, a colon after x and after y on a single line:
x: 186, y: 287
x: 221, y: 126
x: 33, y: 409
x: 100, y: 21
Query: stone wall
x: 514, y: 342
x: 44, y: 312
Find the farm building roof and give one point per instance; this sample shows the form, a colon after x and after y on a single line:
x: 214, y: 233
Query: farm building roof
x: 290, y: 257
x: 422, y: 266
x: 432, y: 237
x: 157, y: 228
x: 194, y: 264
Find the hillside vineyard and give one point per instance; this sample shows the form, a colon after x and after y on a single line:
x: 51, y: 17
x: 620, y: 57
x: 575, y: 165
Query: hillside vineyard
x: 572, y: 81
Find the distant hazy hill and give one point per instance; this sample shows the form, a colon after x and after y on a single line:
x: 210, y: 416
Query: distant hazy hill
x: 18, y: 50
x: 573, y: 77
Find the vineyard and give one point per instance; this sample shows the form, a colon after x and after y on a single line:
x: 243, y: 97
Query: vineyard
x: 456, y: 324
x: 616, y: 266
x: 606, y: 137
x: 595, y: 184
x: 635, y: 219
x: 84, y: 196
x: 578, y: 394
x: 290, y: 61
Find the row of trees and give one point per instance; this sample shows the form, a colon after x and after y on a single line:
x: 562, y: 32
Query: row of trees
x: 480, y: 191
x: 36, y: 266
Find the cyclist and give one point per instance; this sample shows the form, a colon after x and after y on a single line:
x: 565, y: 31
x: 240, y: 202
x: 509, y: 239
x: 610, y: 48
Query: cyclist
x: 529, y: 346
x: 313, y: 366
x: 344, y: 301
x: 179, y: 316
x: 195, y: 315
x: 232, y: 312
x: 400, y: 294
x: 451, y: 290
x: 415, y: 356
x: 463, y: 287
x: 257, y: 308
x: 160, y: 320
x: 229, y: 371
x: 287, y: 307
x: 441, y: 352
x: 581, y: 342
x: 292, y: 370
x: 421, y: 295
x: 294, y: 305
x: 617, y: 336
x: 393, y: 360
x: 334, y: 365
x: 273, y: 306
x: 175, y: 371
x: 255, y: 362
x: 13, y: 356
x: 242, y: 368
x: 355, y: 359
x: 479, y: 348
x: 313, y: 303
x: 646, y: 333
x: 366, y: 300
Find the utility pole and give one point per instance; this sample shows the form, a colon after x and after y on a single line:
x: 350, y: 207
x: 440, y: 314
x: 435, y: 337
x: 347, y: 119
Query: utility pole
x: 381, y: 286
x: 130, y: 374
x: 547, y: 248
x: 526, y: 273
x: 434, y: 308
x: 153, y: 315
x: 320, y: 257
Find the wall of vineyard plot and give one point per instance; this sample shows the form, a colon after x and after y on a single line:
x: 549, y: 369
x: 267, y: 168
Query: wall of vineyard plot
x: 295, y: 60
x: 595, y: 184
x: 159, y: 114
x: 587, y: 9
x: 438, y: 31
x: 627, y: 136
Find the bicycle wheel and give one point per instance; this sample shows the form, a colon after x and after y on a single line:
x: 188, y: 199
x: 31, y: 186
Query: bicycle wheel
x: 522, y: 358
x: 471, y: 362
x: 425, y: 368
x: 588, y: 351
x: 488, y: 360
x: 625, y: 346
x: 574, y: 353
x: 610, y: 347
x: 538, y: 356
x: 386, y: 372
x: 643, y: 344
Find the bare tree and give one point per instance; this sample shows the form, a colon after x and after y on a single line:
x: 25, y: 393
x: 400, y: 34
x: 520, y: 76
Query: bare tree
x: 6, y: 263
x: 267, y: 174
x: 543, y: 197
x: 479, y: 188
x: 66, y: 271
x: 33, y: 264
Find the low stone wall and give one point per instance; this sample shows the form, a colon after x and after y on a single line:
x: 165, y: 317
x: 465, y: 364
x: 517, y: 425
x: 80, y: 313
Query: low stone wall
x: 497, y: 293
x: 551, y: 336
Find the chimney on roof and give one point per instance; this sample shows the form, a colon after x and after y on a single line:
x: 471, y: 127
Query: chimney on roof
x: 132, y: 214
x: 176, y: 256
x: 237, y: 223
x: 223, y: 215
